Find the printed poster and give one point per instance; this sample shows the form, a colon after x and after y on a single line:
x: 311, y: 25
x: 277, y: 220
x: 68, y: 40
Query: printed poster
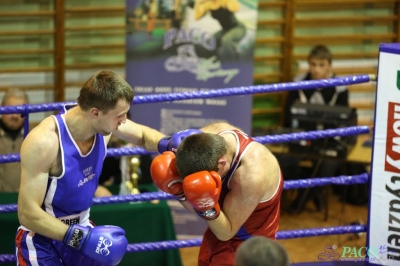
x: 191, y: 46
x: 384, y: 213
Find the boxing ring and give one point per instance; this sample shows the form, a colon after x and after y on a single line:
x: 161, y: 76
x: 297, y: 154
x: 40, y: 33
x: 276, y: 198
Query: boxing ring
x: 25, y: 110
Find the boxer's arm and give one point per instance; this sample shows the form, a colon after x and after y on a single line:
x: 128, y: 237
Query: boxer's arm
x: 248, y: 187
x: 38, y: 153
x: 188, y: 206
x: 139, y: 135
x: 102, y: 191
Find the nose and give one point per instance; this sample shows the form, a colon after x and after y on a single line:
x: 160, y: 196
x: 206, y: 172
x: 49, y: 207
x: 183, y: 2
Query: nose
x: 316, y: 71
x: 124, y: 119
x: 15, y: 116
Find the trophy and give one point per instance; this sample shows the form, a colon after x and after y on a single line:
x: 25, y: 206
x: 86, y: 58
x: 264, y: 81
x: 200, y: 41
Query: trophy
x: 132, y: 182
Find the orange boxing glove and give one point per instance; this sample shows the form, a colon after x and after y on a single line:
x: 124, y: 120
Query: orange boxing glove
x: 202, y: 190
x: 165, y: 175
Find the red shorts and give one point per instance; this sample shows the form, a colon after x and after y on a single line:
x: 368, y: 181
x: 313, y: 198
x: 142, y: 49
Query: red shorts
x: 214, y: 252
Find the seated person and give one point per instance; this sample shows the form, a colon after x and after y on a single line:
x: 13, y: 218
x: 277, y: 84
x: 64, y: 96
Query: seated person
x: 320, y: 67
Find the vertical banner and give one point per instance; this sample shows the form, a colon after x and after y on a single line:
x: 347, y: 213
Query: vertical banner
x: 384, y: 215
x: 189, y: 46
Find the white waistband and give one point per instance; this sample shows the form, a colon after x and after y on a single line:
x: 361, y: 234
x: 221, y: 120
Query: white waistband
x: 83, y: 219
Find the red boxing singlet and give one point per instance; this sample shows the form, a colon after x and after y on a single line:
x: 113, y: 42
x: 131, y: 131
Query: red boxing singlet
x: 263, y: 221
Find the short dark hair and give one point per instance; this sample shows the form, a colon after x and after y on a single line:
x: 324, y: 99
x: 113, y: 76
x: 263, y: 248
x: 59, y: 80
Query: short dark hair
x: 261, y: 251
x: 103, y: 90
x: 320, y: 52
x: 199, y: 152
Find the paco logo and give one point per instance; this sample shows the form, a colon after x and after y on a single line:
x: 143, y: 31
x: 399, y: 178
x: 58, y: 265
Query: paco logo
x: 371, y: 254
x: 392, y: 160
x: 329, y: 254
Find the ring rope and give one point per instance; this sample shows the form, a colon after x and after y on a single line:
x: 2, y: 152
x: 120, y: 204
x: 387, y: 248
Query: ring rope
x: 313, y: 134
x: 149, y: 196
x: 154, y: 98
x: 280, y: 138
x: 324, y: 181
x: 288, y: 234
x: 268, y: 88
x: 174, y: 244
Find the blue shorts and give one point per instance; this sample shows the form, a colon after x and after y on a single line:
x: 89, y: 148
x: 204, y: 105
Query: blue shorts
x: 37, y: 250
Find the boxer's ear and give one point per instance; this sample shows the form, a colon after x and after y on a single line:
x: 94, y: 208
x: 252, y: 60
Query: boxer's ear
x: 222, y: 162
x: 94, y: 112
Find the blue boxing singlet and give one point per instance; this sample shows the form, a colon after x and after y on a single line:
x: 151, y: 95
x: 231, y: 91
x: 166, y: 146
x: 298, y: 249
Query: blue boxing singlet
x: 69, y: 196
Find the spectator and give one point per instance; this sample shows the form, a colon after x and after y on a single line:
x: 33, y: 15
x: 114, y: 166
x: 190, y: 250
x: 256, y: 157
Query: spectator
x: 320, y: 67
x: 261, y: 251
x: 11, y: 136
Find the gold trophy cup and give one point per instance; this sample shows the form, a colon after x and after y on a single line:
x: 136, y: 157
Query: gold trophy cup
x: 132, y: 184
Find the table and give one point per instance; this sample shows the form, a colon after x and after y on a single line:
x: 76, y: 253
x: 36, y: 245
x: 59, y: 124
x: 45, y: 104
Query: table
x: 143, y: 222
x: 359, y: 154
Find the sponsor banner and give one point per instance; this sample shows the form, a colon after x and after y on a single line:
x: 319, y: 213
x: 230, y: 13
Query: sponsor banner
x: 384, y: 214
x: 191, y: 46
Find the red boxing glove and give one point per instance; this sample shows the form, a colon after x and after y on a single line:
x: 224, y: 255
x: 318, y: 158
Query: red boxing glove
x: 165, y: 175
x: 202, y: 190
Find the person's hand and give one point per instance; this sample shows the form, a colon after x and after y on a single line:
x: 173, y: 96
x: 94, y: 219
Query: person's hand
x: 171, y: 143
x: 165, y: 175
x: 202, y: 190
x: 105, y: 244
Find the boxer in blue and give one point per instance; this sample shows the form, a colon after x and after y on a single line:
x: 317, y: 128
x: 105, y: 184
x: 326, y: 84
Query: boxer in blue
x: 61, y: 162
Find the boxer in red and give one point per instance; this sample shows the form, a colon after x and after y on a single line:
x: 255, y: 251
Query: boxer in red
x: 228, y: 179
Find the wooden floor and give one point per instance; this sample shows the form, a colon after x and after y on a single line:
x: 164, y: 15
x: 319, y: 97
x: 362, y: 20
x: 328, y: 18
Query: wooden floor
x: 307, y: 249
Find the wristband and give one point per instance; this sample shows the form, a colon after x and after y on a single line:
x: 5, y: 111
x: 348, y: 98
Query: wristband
x: 76, y: 236
x: 211, y: 214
